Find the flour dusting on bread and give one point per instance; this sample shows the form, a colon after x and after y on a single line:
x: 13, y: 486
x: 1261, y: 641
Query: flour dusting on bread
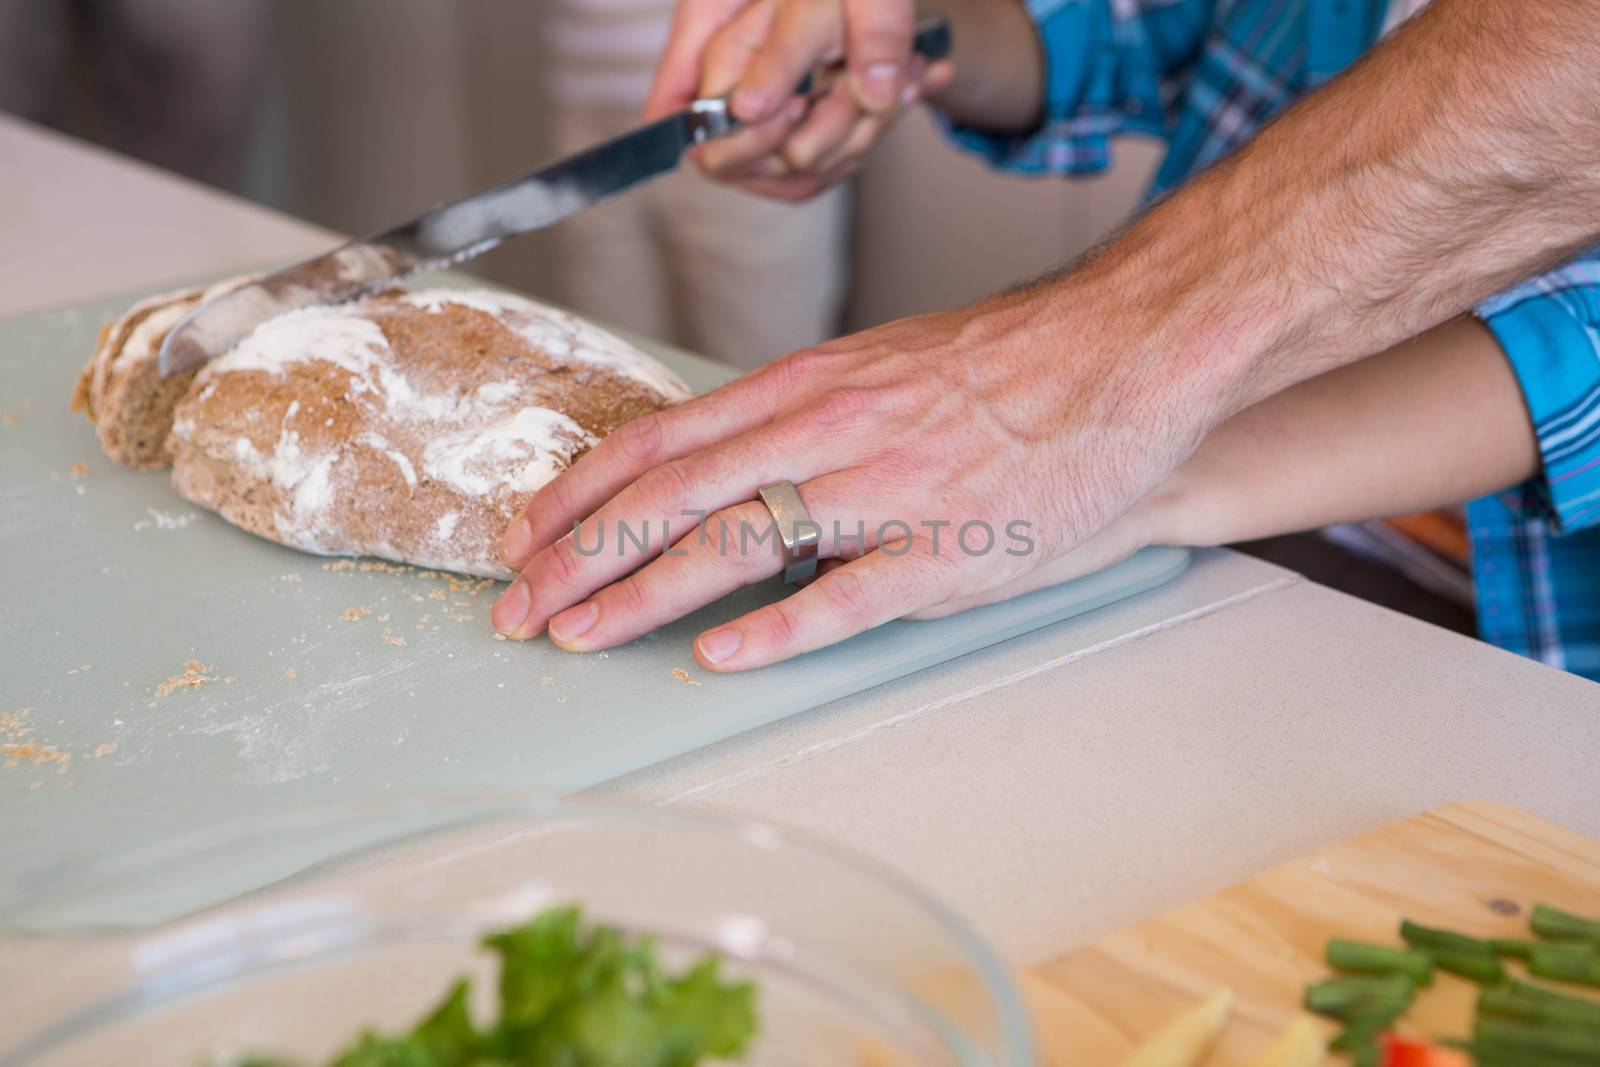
x: 409, y: 426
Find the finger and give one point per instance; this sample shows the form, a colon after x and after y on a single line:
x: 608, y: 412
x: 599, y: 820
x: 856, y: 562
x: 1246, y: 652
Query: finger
x: 704, y: 565
x: 633, y: 449
x: 804, y: 36
x: 727, y: 55
x: 657, y: 510
x: 726, y: 156
x: 855, y: 145
x: 732, y: 548
x: 823, y: 131
x: 877, y: 48
x: 793, y: 189
x: 677, y: 77
x: 939, y: 76
x: 872, y: 590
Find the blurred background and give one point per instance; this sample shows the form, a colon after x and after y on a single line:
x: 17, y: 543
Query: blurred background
x: 356, y: 114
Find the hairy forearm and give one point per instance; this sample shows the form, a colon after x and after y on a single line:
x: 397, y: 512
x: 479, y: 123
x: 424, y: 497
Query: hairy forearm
x: 999, y: 67
x: 1461, y: 155
x: 1434, y: 421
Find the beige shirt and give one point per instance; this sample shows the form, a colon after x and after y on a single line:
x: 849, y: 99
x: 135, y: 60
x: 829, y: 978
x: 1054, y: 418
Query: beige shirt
x: 603, y: 53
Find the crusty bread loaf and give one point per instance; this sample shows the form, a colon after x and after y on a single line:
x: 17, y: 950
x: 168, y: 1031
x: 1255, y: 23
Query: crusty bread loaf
x: 121, y: 391
x: 408, y: 426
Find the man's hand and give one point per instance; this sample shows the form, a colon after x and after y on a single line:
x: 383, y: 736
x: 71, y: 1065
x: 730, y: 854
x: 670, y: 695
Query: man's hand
x: 949, y: 459
x: 759, y: 50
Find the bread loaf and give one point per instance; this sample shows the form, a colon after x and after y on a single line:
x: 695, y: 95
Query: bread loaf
x: 122, y: 392
x: 411, y: 426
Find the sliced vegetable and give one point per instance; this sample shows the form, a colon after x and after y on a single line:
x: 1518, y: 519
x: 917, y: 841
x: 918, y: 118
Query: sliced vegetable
x: 1558, y: 1005
x: 1506, y: 1004
x: 1184, y: 1040
x: 1300, y: 1044
x: 1433, y: 940
x: 1559, y: 925
x: 1401, y: 1051
x: 1485, y: 970
x: 1361, y: 1032
x: 1350, y: 999
x: 1566, y: 961
x: 1517, y: 950
x: 1504, y: 1037
x: 1363, y: 958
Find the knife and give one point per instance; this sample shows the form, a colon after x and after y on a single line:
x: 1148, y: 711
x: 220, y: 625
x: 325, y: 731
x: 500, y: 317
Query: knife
x: 451, y: 233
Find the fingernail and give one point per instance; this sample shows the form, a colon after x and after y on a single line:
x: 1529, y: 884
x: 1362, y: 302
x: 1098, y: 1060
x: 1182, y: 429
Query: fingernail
x: 878, y: 84
x: 718, y: 645
x: 574, y: 622
x: 751, y: 105
x: 511, y: 610
x: 517, y: 544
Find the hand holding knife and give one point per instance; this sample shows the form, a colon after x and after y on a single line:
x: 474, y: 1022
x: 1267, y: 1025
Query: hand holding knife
x: 452, y: 233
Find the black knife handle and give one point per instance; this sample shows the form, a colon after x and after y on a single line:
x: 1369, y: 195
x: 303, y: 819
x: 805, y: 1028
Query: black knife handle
x: 932, y: 41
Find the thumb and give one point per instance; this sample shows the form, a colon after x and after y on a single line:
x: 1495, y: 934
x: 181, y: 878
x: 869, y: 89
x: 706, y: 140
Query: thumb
x: 677, y: 77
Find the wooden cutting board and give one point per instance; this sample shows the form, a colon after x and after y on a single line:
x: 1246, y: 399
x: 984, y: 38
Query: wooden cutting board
x: 1474, y: 867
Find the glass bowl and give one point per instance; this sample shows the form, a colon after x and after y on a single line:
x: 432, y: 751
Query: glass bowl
x: 292, y: 933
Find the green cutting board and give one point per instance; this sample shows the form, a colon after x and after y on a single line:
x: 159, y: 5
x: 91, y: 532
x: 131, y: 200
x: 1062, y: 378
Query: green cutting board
x: 112, y: 583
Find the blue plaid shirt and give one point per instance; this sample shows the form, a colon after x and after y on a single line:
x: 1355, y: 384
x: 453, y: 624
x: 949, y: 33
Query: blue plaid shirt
x: 1204, y: 76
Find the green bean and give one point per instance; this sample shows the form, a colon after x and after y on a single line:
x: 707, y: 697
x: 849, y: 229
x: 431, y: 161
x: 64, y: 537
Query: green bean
x: 1352, y: 998
x: 1553, y: 1041
x: 1558, y: 925
x: 1432, y: 940
x: 1567, y: 961
x: 1485, y: 970
x: 1363, y: 958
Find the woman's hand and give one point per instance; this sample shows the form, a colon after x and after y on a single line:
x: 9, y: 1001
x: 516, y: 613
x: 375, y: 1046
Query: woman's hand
x: 759, y: 50
x: 949, y: 460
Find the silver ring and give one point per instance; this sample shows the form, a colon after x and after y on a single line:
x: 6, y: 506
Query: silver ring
x: 796, y: 530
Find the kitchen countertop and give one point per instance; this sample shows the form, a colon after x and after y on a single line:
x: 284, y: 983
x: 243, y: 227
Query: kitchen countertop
x: 1053, y: 787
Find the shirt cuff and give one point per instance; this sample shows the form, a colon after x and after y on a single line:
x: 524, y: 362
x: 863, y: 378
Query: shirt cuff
x: 1553, y: 347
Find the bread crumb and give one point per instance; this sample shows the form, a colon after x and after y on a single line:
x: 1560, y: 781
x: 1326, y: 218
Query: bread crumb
x: 38, y: 755
x: 463, y: 616
x: 193, y: 676
x: 498, y: 636
x: 288, y: 578
x: 290, y: 673
x: 104, y: 749
x: 392, y: 636
x: 78, y: 470
x: 437, y: 594
x: 14, y: 724
x: 13, y: 417
x: 562, y: 699
x: 80, y: 670
x: 683, y: 676
x: 38, y: 783
x: 546, y: 680
x: 355, y: 614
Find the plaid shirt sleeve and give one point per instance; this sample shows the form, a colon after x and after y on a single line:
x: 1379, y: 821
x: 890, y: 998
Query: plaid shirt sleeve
x: 1550, y: 330
x: 1105, y: 64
